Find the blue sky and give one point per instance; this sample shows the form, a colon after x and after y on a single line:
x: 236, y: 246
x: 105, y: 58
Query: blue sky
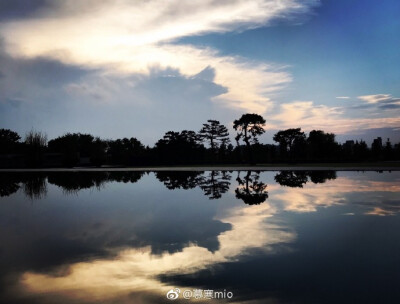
x: 130, y: 68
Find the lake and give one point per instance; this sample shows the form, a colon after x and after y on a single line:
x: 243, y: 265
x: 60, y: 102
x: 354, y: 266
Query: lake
x: 212, y: 237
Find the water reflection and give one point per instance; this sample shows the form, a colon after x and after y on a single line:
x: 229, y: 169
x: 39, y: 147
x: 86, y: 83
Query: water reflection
x: 179, y: 179
x: 8, y: 184
x: 133, y: 239
x: 215, y: 183
x: 34, y: 185
x: 250, y: 190
x: 72, y: 182
x: 300, y: 178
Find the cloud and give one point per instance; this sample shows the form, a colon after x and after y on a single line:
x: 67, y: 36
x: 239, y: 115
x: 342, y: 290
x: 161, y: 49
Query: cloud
x: 305, y: 114
x: 380, y: 99
x: 380, y: 102
x: 308, y: 116
x: 126, y: 37
x: 20, y: 8
x: 138, y: 270
x: 343, y: 97
x: 337, y: 192
x: 375, y: 98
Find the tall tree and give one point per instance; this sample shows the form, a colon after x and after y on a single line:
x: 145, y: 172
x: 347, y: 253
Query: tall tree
x: 179, y: 147
x: 35, y: 146
x: 98, y: 152
x: 249, y: 126
x: 288, y: 138
x: 321, y: 145
x: 8, y: 141
x: 73, y: 146
x: 126, y: 151
x: 215, y: 133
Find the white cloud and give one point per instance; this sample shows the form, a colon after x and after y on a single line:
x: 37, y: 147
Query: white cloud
x: 375, y: 98
x: 305, y: 114
x: 313, y: 196
x: 342, y: 97
x: 131, y: 37
x: 308, y: 116
x: 137, y: 270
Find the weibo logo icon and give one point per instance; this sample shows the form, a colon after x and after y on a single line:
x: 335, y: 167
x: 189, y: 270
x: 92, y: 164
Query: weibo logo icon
x: 173, y: 294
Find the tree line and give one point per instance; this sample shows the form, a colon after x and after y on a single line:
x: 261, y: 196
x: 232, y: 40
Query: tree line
x: 214, y: 184
x: 210, y: 145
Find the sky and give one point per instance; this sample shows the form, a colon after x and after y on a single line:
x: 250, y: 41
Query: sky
x: 128, y: 68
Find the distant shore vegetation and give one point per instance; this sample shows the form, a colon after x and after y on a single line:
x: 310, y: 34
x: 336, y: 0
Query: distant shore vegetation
x: 210, y: 145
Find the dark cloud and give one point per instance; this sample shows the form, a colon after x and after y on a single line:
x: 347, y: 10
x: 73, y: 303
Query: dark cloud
x: 163, y: 100
x: 390, y: 106
x: 63, y: 234
x: 41, y: 71
x: 18, y: 9
x: 32, y: 91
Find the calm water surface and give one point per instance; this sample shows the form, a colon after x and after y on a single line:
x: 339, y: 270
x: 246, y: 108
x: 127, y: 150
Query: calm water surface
x: 245, y: 237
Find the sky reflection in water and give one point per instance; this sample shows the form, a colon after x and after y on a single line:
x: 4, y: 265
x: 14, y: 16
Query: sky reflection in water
x: 129, y: 237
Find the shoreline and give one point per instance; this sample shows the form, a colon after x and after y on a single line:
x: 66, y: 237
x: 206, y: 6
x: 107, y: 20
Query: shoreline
x: 279, y: 167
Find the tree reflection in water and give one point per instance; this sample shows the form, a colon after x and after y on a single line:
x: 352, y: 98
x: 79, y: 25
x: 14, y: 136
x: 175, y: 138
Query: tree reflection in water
x: 34, y: 185
x: 250, y: 190
x: 296, y: 179
x: 72, y: 182
x: 9, y: 184
x: 179, y: 179
x: 215, y: 184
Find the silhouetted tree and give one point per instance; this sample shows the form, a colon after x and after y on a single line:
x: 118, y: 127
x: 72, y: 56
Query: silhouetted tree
x: 225, y: 152
x: 216, y: 134
x: 376, y: 149
x: 8, y: 141
x: 69, y: 146
x: 73, y: 146
x: 321, y: 145
x: 35, y: 146
x: 250, y: 190
x: 360, y: 150
x: 288, y: 138
x: 179, y: 147
x: 215, y: 184
x: 249, y: 126
x: 396, y: 152
x: 126, y: 151
x: 388, y: 151
x: 98, y: 152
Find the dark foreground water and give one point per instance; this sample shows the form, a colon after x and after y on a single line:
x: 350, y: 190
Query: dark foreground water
x: 257, y: 237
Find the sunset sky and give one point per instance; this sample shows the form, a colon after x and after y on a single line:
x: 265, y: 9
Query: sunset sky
x: 130, y: 68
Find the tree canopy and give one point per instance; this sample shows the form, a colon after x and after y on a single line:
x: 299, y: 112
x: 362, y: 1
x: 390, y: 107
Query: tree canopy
x: 249, y: 126
x: 215, y: 133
